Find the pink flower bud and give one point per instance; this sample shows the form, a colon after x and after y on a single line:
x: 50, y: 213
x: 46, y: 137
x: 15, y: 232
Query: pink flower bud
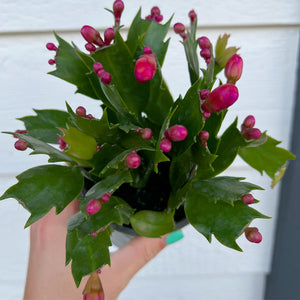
x: 192, y: 15
x: 249, y: 122
x: 145, y: 68
x: 252, y: 134
x: 177, y: 133
x: 93, y: 289
x: 179, y: 28
x: 146, y: 133
x: 248, y: 198
x: 90, y: 47
x: 133, y: 160
x: 204, y: 42
x: 204, y: 136
x: 253, y: 235
x: 118, y: 8
x: 147, y: 50
x: 204, y: 94
x: 81, y: 111
x: 98, y: 147
x: 90, y: 116
x: 234, y: 68
x: 93, y: 206
x: 158, y: 18
x: 51, y: 47
x: 94, y: 234
x: 51, y: 61
x: 155, y: 11
x: 97, y: 67
x: 20, y: 131
x: 21, y: 145
x: 62, y: 144
x: 220, y: 98
x: 105, y: 78
x: 205, y: 53
x: 206, y: 115
x: 165, y: 145
x: 109, y: 35
x: 91, y: 35
x: 105, y: 197
x: 100, y: 73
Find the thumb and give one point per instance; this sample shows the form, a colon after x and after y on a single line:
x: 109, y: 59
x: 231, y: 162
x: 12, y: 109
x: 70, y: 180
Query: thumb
x: 128, y: 260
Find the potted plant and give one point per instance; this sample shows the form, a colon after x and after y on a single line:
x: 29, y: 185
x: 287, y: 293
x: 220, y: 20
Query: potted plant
x: 151, y: 163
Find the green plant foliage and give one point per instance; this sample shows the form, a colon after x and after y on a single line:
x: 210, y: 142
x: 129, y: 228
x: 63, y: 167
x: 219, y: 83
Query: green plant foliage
x: 44, y: 125
x: 152, y: 223
x: 266, y: 157
x: 41, y: 188
x: 212, y: 207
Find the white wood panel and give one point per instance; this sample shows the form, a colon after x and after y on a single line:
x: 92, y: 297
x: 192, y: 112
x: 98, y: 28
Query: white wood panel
x: 34, y: 15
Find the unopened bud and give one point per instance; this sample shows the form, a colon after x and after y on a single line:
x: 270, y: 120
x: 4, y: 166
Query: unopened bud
x: 206, y: 53
x: 91, y: 35
x: 158, y: 18
x: 249, y: 122
x: 248, y: 198
x: 177, y: 133
x: 204, y: 94
x: 179, y: 28
x: 109, y: 35
x: 118, y: 8
x: 146, y: 133
x: 93, y: 206
x: 62, y: 144
x: 81, y: 111
x: 234, y: 68
x: 253, y: 235
x: 147, y: 50
x: 165, y: 145
x: 220, y: 98
x: 204, y: 42
x: 204, y: 136
x: 106, y: 197
x: 133, y: 160
x: 145, y: 68
x: 21, y: 145
x: 51, y: 61
x: 155, y: 11
x: 51, y: 47
x: 97, y: 67
x: 252, y: 134
x: 105, y: 77
x: 90, y: 47
x: 192, y: 15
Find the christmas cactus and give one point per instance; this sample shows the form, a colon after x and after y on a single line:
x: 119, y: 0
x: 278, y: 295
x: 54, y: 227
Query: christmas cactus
x: 150, y: 160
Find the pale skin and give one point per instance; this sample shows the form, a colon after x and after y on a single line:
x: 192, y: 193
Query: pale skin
x: 47, y: 276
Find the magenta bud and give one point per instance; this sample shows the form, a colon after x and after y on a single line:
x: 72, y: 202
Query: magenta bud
x: 90, y: 116
x: 90, y: 47
x: 155, y: 11
x: 98, y: 147
x: 205, y: 53
x: 94, y: 234
x: 206, y: 115
x: 97, y: 67
x: 62, y: 144
x: 204, y: 94
x: 249, y: 122
x: 21, y: 131
x: 93, y: 206
x: 165, y: 145
x: 220, y: 98
x: 133, y: 160
x: 158, y: 18
x: 118, y: 8
x: 204, y: 136
x: 207, y: 61
x: 177, y: 133
x: 248, y: 199
x: 105, y: 197
x: 252, y: 134
x: 81, y: 111
x: 204, y: 42
x: 192, y: 15
x: 146, y: 133
x: 234, y: 68
x: 21, y: 145
x: 91, y: 35
x: 179, y: 28
x: 147, y: 50
x: 149, y: 17
x: 109, y: 35
x: 105, y: 78
x: 51, y: 61
x: 253, y: 235
x: 51, y: 47
x: 145, y: 68
x: 100, y: 73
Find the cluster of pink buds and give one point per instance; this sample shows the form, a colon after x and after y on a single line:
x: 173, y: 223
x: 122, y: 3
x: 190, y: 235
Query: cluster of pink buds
x: 248, y: 131
x: 93, y: 289
x: 118, y: 8
x: 95, y: 204
x: 146, y: 133
x: 93, y: 37
x: 62, y: 144
x: 193, y: 16
x: 234, y: 68
x: 179, y: 28
x: 248, y: 198
x: 253, y: 235
x: 204, y: 136
x: 175, y: 133
x: 204, y: 44
x: 104, y: 76
x: 81, y: 111
x: 51, y: 47
x: 220, y: 98
x: 133, y: 160
x: 145, y: 66
x: 155, y: 15
x: 20, y: 144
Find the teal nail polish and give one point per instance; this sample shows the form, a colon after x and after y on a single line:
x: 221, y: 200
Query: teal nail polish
x: 174, y: 237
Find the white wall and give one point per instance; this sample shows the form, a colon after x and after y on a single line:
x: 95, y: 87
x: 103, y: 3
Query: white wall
x: 268, y: 32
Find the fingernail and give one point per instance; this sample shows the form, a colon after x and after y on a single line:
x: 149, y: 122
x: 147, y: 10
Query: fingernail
x: 174, y: 237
